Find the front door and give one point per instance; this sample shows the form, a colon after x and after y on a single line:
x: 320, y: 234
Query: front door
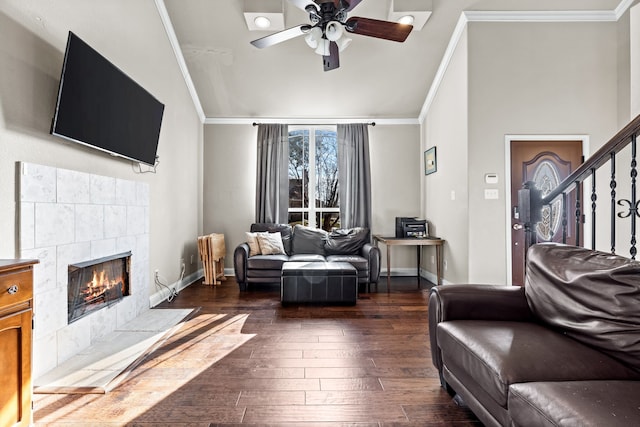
x: 546, y: 163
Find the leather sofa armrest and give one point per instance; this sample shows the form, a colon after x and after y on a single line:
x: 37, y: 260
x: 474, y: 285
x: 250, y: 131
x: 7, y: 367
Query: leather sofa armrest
x: 240, y: 256
x: 473, y: 302
x: 479, y: 302
x: 372, y: 254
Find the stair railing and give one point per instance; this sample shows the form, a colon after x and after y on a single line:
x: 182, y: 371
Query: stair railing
x: 531, y: 201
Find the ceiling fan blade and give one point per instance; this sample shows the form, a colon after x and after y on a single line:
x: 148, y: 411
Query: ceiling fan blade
x: 332, y: 61
x: 280, y: 36
x: 381, y: 29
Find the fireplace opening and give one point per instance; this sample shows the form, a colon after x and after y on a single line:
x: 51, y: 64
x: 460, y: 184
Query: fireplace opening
x: 97, y: 283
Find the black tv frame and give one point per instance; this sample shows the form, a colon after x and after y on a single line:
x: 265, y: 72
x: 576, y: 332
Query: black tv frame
x: 99, y: 106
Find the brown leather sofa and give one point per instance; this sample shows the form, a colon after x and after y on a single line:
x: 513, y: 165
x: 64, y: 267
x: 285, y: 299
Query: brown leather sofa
x: 306, y: 244
x: 562, y: 350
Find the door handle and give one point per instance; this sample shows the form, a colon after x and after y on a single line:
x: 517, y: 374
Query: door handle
x: 518, y: 226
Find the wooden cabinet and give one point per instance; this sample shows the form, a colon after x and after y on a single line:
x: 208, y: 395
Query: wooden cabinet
x: 16, y: 306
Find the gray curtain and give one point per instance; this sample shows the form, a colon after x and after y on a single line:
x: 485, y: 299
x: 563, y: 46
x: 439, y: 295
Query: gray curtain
x: 272, y: 180
x: 354, y: 175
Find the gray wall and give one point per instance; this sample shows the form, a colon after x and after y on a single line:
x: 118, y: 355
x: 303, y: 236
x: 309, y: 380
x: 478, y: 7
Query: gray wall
x: 31, y: 55
x: 229, y: 159
x: 531, y: 79
x: 446, y: 193
x: 230, y: 175
x: 510, y: 79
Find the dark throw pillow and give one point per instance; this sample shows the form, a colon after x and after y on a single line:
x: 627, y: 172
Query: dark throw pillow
x: 346, y: 241
x: 307, y: 240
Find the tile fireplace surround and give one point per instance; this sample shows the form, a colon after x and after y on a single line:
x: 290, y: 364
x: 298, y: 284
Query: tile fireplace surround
x: 68, y: 217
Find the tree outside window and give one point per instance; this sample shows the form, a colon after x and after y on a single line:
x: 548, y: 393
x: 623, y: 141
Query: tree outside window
x: 313, y: 159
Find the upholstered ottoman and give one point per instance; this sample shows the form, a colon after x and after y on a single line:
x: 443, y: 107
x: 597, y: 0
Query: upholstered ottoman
x: 319, y: 282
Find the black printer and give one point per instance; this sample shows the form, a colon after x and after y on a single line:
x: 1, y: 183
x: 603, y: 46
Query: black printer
x: 411, y: 227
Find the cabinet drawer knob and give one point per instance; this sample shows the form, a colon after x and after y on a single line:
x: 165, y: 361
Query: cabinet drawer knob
x: 13, y: 289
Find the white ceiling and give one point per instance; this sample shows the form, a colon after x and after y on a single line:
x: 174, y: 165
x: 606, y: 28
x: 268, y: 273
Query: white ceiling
x: 233, y: 80
x: 376, y: 79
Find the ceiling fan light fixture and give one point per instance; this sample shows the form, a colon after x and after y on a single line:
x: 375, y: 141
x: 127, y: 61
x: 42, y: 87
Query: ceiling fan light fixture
x: 313, y: 38
x: 323, y: 47
x: 343, y: 42
x: 262, y: 22
x: 333, y: 31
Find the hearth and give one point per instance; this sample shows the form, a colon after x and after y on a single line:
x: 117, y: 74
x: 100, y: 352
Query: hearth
x: 97, y: 283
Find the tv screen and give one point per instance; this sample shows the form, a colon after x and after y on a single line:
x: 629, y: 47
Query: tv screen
x: 101, y: 107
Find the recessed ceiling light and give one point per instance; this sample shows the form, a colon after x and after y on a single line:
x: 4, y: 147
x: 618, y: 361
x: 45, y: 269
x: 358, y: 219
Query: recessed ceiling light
x: 262, y: 22
x: 406, y: 20
x: 413, y: 12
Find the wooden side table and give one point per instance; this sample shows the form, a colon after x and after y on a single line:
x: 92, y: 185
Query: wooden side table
x: 419, y: 242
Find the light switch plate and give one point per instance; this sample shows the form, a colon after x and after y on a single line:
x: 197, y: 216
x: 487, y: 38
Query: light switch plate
x: 491, y: 193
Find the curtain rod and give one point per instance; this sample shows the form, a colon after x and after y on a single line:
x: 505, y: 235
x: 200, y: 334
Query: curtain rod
x: 315, y: 124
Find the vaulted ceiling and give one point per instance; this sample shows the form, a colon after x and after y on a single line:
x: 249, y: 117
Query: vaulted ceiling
x: 230, y: 79
x: 376, y: 79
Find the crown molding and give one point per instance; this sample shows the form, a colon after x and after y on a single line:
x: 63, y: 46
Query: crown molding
x: 459, y: 29
x: 465, y: 18
x: 513, y: 16
x: 308, y: 121
x: 622, y: 8
x: 541, y: 16
x: 175, y: 45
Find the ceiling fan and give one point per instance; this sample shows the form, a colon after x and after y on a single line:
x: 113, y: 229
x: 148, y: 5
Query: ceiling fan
x: 326, y: 33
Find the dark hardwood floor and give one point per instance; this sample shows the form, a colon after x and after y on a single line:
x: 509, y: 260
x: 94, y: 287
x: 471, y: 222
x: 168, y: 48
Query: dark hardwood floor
x: 243, y: 359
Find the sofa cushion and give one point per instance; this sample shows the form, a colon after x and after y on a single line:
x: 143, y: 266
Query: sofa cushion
x: 346, y: 241
x: 360, y: 263
x: 575, y: 403
x: 270, y: 243
x: 488, y: 356
x: 284, y: 229
x: 307, y: 258
x: 591, y: 296
x: 307, y: 240
x: 266, y: 262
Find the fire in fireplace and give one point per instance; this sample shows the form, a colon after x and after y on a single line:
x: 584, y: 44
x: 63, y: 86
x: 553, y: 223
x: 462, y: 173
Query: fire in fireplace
x: 97, y: 283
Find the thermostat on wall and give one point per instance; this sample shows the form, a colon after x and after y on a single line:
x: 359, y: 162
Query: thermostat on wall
x: 491, y: 178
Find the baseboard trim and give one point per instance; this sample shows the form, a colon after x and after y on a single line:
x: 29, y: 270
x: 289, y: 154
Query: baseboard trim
x: 163, y: 293
x: 408, y: 272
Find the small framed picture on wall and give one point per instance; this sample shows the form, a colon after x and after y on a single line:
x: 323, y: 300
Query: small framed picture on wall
x: 430, y: 161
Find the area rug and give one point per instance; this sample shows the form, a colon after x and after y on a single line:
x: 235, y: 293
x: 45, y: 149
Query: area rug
x: 107, y: 362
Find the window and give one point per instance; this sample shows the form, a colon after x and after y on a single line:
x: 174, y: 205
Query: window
x: 313, y: 177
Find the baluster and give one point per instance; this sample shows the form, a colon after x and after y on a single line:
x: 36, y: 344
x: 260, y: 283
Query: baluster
x: 594, y: 197
x: 612, y: 185
x: 565, y: 223
x: 634, y: 204
x: 578, y: 212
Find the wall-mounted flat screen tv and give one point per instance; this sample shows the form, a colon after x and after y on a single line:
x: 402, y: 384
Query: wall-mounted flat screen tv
x: 101, y: 107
